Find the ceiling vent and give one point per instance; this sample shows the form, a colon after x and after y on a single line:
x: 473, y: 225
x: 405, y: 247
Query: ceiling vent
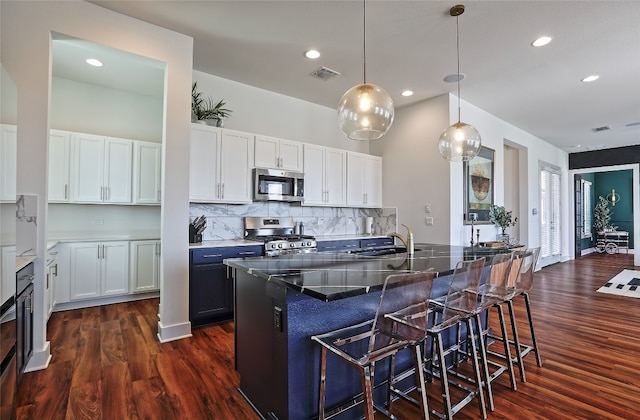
x: 599, y: 129
x: 324, y: 73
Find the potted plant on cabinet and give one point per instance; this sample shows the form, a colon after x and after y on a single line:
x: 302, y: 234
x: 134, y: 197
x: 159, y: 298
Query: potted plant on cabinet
x: 207, y: 111
x: 502, y: 218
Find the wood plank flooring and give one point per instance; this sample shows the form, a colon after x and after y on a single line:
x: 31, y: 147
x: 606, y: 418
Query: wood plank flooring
x: 107, y: 362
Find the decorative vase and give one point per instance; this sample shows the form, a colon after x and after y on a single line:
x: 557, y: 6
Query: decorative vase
x: 220, y: 122
x: 503, y: 237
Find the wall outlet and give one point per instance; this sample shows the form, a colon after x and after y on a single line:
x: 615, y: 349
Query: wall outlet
x: 98, y: 222
x: 427, y: 208
x: 428, y: 221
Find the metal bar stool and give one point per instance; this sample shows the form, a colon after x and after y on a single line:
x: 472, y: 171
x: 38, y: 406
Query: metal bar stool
x: 491, y: 293
x: 364, y: 344
x: 520, y: 285
x: 457, y: 309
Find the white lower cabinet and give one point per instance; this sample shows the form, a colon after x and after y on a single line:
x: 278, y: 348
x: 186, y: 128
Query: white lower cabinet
x: 98, y: 269
x: 145, y: 266
x: 51, y: 276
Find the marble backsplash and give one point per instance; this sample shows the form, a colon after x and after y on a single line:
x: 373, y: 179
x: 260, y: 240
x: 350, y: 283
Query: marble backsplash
x: 226, y: 221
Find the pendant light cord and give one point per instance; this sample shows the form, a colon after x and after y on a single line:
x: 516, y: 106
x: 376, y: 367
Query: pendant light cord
x: 364, y: 40
x: 458, y: 53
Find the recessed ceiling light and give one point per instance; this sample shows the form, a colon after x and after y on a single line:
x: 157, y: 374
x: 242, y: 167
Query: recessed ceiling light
x: 455, y: 78
x: 591, y: 78
x: 312, y: 54
x: 94, y: 62
x: 542, y: 41
x: 407, y: 93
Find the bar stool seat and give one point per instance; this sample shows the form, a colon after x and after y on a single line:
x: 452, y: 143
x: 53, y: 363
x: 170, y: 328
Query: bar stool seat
x: 491, y: 293
x: 519, y: 286
x: 458, y: 309
x: 363, y: 345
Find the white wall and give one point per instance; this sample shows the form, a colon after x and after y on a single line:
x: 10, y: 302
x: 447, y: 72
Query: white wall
x: 495, y: 132
x: 8, y: 98
x: 511, y: 174
x: 93, y: 109
x: 414, y: 174
x: 260, y: 111
x: 100, y: 220
x: 26, y: 47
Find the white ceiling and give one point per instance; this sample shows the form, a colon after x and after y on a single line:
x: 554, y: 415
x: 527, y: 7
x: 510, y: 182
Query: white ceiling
x: 411, y: 45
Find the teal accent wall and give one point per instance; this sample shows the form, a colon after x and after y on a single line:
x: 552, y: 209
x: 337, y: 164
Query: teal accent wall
x: 622, y: 182
x: 589, y: 242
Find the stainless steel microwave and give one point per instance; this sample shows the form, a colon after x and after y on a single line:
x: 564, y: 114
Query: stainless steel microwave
x: 278, y: 185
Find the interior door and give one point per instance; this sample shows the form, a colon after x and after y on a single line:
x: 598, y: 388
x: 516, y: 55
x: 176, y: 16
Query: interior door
x: 550, y: 237
x: 579, y: 219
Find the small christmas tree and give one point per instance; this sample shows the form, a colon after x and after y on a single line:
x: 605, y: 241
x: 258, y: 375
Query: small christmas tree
x: 601, y: 215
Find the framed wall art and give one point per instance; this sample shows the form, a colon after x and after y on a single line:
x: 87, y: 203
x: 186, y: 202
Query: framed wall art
x: 479, y: 186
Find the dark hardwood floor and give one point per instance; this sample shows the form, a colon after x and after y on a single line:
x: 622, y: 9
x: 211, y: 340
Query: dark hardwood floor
x: 107, y: 363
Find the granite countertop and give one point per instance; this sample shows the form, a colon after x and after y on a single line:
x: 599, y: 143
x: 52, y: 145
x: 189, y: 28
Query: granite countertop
x: 244, y: 242
x: 224, y: 242
x: 22, y: 262
x: 331, y: 276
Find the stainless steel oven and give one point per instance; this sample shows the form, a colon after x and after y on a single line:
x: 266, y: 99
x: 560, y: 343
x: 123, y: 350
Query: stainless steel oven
x: 278, y: 185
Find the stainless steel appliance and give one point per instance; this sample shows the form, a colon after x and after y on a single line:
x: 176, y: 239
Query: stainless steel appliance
x: 277, y: 235
x: 278, y: 185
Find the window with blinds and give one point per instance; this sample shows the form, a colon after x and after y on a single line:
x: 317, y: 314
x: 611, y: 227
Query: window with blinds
x: 587, y: 209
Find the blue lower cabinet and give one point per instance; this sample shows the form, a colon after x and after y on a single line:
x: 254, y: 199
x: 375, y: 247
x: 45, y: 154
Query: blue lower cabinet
x: 210, y: 284
x: 338, y: 246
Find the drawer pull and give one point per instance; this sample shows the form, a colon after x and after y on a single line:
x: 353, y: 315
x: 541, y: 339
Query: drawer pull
x: 247, y: 253
x: 212, y: 256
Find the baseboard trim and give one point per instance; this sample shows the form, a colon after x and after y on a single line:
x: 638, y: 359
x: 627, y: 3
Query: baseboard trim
x: 79, y: 304
x: 39, y: 359
x: 173, y: 332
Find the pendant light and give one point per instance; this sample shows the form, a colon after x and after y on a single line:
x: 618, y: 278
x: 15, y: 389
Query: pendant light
x: 365, y: 112
x: 460, y: 141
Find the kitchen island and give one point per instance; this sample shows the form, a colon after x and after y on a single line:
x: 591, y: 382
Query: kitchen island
x: 282, y: 301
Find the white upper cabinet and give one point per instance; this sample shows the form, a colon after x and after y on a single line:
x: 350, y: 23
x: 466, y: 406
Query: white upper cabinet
x: 147, y: 168
x: 220, y: 165
x: 59, y: 156
x: 325, y: 175
x: 8, y: 158
x: 101, y: 169
x: 364, y: 180
x: 271, y: 152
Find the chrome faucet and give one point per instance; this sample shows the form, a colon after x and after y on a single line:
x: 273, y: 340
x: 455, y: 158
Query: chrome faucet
x: 408, y: 242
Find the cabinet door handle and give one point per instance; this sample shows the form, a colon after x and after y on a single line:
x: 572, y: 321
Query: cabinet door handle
x: 222, y: 196
x: 47, y: 281
x: 212, y: 256
x: 31, y: 303
x: 55, y: 270
x: 246, y: 253
x: 108, y: 190
x: 66, y: 191
x: 218, y: 191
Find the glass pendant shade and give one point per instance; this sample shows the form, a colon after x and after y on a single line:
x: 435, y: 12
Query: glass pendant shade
x: 459, y: 142
x: 365, y: 112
